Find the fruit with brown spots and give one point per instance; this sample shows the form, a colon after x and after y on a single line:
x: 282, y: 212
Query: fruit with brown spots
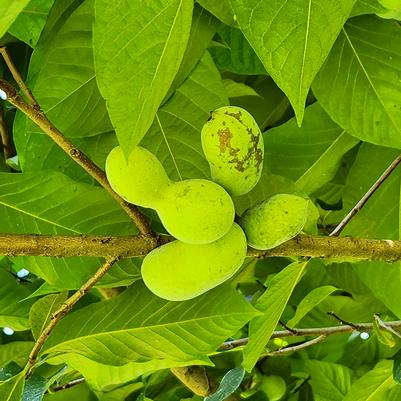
x: 233, y: 146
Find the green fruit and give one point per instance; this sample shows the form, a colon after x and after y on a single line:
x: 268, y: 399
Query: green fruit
x: 275, y: 220
x: 233, y: 145
x: 196, y: 211
x: 140, y: 179
x: 274, y: 387
x: 178, y: 271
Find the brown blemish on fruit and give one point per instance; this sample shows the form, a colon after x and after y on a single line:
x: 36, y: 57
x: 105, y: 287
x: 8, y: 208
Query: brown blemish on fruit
x: 235, y: 115
x: 241, y: 165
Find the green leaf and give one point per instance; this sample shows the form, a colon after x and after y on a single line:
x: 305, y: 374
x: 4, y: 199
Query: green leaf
x: 9, y: 11
x: 397, y: 367
x: 13, y: 309
x: 35, y: 388
x: 101, y: 377
x: 360, y: 84
x: 30, y: 22
x: 37, y: 203
x: 11, y: 390
x: 373, y: 385
x: 68, y: 93
x: 313, y: 298
x: 238, y: 56
x: 229, y: 383
x: 139, y: 327
x: 330, y: 381
x: 203, y: 27
x: 272, y: 304
x: 239, y: 89
x: 383, y: 335
x: 137, y: 58
x: 174, y: 136
x: 16, y: 351
x: 221, y: 9
x: 42, y: 311
x: 290, y: 39
x: 367, y: 7
x: 309, y: 155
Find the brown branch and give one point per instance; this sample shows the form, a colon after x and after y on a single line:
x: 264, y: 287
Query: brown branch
x: 140, y: 245
x: 361, y: 203
x: 64, y: 309
x: 18, y: 79
x: 79, y: 157
x: 5, y: 137
x: 295, y: 348
x: 315, y: 331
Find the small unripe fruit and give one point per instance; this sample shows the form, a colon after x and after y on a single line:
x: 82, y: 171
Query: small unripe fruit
x: 196, y: 211
x: 139, y: 179
x: 274, y: 387
x: 233, y: 146
x: 275, y: 220
x: 178, y: 271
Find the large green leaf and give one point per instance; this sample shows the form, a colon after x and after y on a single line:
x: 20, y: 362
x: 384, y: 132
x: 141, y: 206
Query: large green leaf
x: 360, y: 84
x: 13, y: 309
x: 174, y: 136
x: 9, y: 11
x: 367, y: 7
x: 68, y: 94
x: 137, y: 58
x: 330, y: 381
x: 373, y: 385
x: 137, y: 326
x: 30, y: 22
x: 309, y: 155
x: 292, y: 39
x: 51, y: 203
x: 272, y: 304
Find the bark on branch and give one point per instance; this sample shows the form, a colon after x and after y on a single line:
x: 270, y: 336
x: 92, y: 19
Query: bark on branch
x: 341, y: 248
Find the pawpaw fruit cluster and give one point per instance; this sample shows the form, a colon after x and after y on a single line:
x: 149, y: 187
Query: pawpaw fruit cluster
x: 209, y: 247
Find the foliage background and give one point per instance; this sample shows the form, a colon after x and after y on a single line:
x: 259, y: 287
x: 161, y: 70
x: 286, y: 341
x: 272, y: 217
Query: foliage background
x: 323, y: 80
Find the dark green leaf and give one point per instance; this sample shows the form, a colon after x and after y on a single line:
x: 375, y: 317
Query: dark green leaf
x: 229, y: 383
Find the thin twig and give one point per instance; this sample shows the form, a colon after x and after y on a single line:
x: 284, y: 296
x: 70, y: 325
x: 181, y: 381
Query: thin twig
x: 361, y: 203
x: 79, y: 157
x: 315, y: 331
x: 64, y: 309
x: 68, y: 385
x: 294, y: 348
x: 341, y: 320
x: 18, y: 79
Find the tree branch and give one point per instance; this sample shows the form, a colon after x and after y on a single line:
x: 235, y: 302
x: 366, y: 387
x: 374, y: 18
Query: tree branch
x: 79, y: 157
x: 316, y: 331
x: 140, y: 245
x: 366, y: 197
x: 64, y: 309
